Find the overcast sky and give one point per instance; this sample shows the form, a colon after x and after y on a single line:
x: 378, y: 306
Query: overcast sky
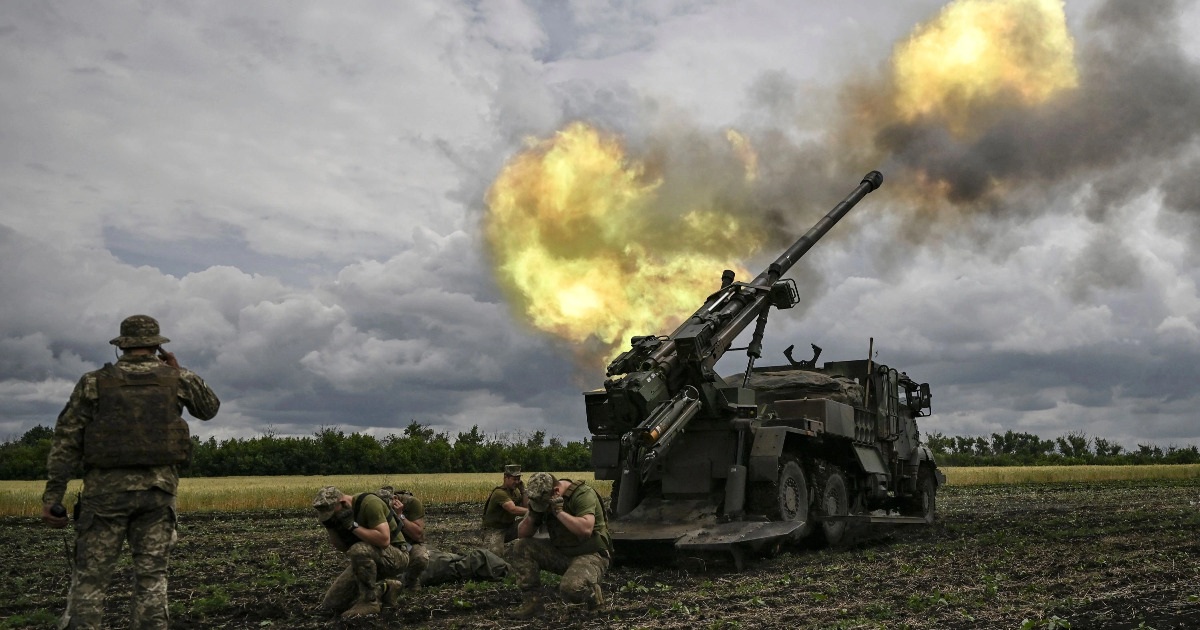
x: 296, y: 191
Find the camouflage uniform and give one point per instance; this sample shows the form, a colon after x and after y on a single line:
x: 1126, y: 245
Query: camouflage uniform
x: 475, y: 564
x: 118, y: 503
x: 500, y: 525
x: 581, y: 563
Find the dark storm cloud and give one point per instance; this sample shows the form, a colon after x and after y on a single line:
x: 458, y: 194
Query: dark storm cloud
x: 1181, y: 190
x: 1022, y: 316
x: 1105, y: 263
x: 296, y: 194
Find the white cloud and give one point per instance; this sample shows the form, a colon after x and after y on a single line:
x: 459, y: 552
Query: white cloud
x: 295, y: 193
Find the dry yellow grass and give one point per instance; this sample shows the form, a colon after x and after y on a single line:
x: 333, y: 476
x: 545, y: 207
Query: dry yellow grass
x: 206, y: 494
x: 974, y: 476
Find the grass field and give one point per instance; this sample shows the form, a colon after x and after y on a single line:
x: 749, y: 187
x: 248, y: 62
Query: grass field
x: 207, y: 494
x: 232, y: 494
x: 1091, y: 555
x: 991, y: 475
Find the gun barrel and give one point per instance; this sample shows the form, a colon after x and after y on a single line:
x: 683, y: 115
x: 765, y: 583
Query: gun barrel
x: 870, y: 182
x: 739, y: 312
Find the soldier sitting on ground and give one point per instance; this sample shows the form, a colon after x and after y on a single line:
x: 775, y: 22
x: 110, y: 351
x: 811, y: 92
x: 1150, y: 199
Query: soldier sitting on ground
x: 504, y: 506
x: 578, y: 548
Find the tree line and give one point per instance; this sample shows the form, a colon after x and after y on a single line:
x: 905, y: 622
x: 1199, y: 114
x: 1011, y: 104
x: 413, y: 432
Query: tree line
x: 1026, y: 449
x: 420, y: 449
x: 331, y: 451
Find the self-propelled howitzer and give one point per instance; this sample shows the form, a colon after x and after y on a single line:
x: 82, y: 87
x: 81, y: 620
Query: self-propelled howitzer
x: 688, y: 450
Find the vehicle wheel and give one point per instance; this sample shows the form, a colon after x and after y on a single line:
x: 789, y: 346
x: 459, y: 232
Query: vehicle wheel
x: 834, y: 500
x: 791, y: 497
x: 924, y: 502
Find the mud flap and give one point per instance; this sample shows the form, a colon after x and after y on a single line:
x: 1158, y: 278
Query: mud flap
x: 738, y: 537
x: 691, y: 526
x: 736, y: 533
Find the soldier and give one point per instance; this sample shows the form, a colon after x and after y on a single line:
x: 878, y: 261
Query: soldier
x: 366, y: 530
x: 578, y: 548
x: 410, y: 513
x: 500, y: 512
x: 123, y: 425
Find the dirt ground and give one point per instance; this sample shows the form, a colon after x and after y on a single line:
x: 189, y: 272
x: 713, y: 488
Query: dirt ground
x: 1109, y: 555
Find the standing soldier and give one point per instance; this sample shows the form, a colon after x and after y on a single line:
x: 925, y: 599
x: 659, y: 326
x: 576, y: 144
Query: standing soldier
x: 365, y: 529
x: 500, y: 512
x: 123, y: 425
x: 578, y: 548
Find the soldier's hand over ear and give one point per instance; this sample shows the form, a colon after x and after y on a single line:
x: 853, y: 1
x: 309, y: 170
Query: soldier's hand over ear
x: 168, y: 358
x: 344, y: 519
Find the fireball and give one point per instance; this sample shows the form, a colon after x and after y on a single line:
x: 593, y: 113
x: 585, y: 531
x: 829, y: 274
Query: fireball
x: 978, y: 55
x: 587, y: 247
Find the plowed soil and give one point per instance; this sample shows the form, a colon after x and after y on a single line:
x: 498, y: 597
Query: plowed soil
x: 1106, y: 555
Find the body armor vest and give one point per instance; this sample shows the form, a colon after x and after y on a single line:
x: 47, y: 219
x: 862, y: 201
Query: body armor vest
x: 137, y: 421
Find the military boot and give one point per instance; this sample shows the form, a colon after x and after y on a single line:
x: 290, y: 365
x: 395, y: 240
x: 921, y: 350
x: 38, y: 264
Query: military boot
x: 596, y: 602
x: 391, y: 592
x: 531, y: 607
x: 362, y: 608
x: 367, y: 604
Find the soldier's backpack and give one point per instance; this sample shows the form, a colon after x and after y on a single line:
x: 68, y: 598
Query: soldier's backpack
x: 137, y: 421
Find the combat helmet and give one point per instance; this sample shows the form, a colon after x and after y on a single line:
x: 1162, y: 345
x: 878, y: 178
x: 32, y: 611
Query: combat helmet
x: 540, y: 485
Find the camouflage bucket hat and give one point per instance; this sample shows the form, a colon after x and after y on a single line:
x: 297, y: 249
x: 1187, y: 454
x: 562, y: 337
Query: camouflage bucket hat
x: 386, y: 493
x: 513, y: 470
x: 539, y: 486
x: 139, y: 331
x: 326, y: 498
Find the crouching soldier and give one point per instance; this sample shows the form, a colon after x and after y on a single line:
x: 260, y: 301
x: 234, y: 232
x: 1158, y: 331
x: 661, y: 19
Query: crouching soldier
x: 363, y: 528
x: 410, y: 514
x: 578, y: 548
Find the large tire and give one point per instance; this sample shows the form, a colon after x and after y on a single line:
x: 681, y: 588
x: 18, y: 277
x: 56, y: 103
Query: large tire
x: 785, y: 499
x: 791, y: 498
x: 924, y: 502
x: 834, y: 500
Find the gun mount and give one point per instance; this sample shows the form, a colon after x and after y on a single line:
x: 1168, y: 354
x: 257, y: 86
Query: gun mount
x: 706, y: 462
